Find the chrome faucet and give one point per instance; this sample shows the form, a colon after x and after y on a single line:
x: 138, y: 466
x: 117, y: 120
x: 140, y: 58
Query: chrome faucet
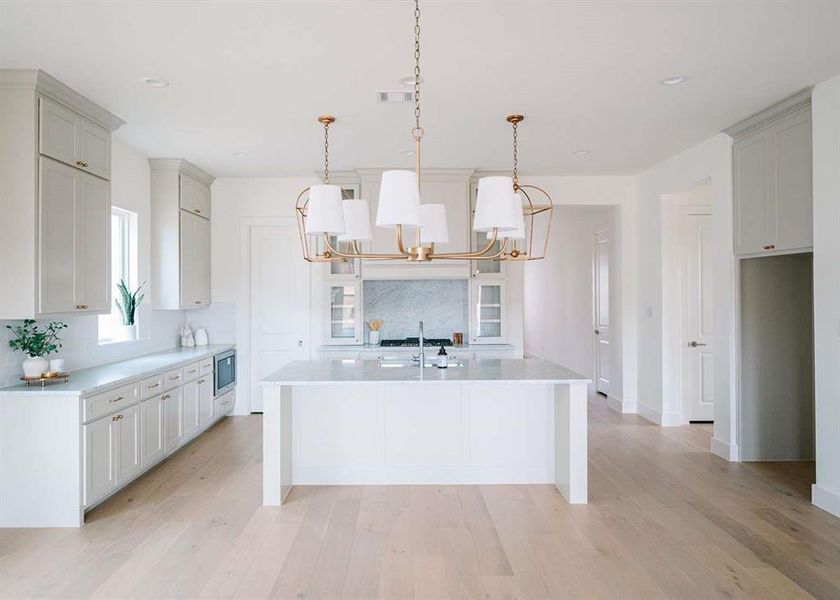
x: 422, y: 346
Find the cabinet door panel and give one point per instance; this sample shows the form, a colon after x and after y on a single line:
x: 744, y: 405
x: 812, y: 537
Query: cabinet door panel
x: 152, y: 419
x: 129, y: 462
x: 93, y: 244
x: 195, y: 196
x: 189, y: 241
x: 752, y: 163
x: 100, y: 459
x: 192, y: 410
x: 59, y: 132
x: 94, y: 149
x: 201, y: 263
x: 59, y: 197
x: 205, y: 400
x: 794, y: 198
x: 173, y: 410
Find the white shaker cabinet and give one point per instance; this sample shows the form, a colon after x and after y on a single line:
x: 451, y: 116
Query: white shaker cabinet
x: 772, y: 180
x: 74, y: 261
x: 128, y: 443
x: 151, y: 426
x: 192, y: 411
x: 173, y: 420
x: 54, y: 198
x: 112, y: 452
x: 180, y: 234
x: 205, y: 400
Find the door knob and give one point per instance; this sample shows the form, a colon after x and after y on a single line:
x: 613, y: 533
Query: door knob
x: 695, y: 344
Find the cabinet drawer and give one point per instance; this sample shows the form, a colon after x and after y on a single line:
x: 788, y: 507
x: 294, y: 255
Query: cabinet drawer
x: 191, y: 371
x: 173, y: 378
x: 205, y: 367
x: 151, y: 386
x: 107, y: 402
x: 224, y: 404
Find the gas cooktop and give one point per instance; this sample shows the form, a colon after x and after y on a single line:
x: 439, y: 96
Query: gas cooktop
x: 415, y: 341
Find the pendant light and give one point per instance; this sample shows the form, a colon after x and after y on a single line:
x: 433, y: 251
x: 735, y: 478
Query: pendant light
x: 504, y: 208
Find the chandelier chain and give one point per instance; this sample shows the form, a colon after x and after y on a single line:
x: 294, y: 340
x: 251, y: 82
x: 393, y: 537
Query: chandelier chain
x: 326, y: 152
x: 418, y: 132
x: 515, y: 156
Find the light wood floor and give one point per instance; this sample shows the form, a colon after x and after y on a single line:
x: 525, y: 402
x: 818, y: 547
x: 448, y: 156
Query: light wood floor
x: 666, y: 520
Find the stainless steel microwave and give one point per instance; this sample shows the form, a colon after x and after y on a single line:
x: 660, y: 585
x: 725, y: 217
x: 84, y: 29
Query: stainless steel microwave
x: 225, y: 372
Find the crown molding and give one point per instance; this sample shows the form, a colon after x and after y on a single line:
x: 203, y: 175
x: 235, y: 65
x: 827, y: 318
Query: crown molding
x: 44, y: 83
x: 181, y: 164
x: 770, y: 114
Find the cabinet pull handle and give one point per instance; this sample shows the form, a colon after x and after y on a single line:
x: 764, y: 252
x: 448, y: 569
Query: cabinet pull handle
x: 769, y: 247
x: 117, y: 399
x: 81, y: 163
x: 165, y: 397
x: 200, y: 381
x: 153, y: 386
x: 81, y: 306
x: 197, y: 211
x: 175, y: 378
x: 198, y: 301
x: 116, y: 417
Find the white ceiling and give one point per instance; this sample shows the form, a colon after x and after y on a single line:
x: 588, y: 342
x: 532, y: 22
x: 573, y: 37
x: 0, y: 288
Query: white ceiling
x: 253, y: 76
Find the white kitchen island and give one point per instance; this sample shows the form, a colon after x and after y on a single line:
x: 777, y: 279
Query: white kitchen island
x: 333, y: 422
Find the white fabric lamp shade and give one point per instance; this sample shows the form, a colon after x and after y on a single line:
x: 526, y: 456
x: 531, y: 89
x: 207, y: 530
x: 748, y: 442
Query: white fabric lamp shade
x: 434, y: 229
x: 356, y: 221
x: 399, y: 200
x: 494, y: 205
x: 324, y: 213
x: 519, y: 232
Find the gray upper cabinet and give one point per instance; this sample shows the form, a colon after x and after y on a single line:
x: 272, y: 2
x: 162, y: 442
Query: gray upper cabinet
x: 772, y: 180
x: 72, y: 139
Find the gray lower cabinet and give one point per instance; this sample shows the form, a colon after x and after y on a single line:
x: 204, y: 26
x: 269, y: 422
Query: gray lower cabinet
x: 173, y: 419
x: 152, y: 439
x: 192, y: 423
x: 112, y: 453
x: 772, y: 183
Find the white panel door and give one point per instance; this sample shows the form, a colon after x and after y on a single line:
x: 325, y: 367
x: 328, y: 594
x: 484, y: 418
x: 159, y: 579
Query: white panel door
x: 696, y: 311
x: 192, y: 411
x: 59, y: 132
x: 100, y: 459
x: 93, y: 245
x: 59, y: 196
x: 601, y: 293
x: 194, y: 196
x: 173, y: 420
x: 189, y: 241
x: 129, y: 460
x: 205, y: 400
x: 201, y: 263
x: 279, y: 304
x: 151, y: 417
x: 793, y: 187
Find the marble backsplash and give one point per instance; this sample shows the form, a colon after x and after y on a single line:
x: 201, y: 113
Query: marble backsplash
x: 442, y: 305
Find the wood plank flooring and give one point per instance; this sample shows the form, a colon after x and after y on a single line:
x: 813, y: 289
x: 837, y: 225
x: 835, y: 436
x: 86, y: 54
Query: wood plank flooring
x: 666, y: 519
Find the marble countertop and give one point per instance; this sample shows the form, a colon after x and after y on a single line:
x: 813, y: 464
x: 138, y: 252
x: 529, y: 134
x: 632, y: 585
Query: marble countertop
x: 94, y: 380
x: 393, y: 349
x: 319, y: 372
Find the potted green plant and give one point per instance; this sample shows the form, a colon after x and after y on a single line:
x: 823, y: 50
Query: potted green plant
x: 130, y: 302
x: 37, y: 342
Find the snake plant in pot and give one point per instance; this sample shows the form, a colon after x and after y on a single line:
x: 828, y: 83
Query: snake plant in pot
x: 130, y: 302
x: 36, y: 342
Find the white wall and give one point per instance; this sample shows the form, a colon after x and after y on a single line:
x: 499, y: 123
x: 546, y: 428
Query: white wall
x: 710, y: 160
x: 558, y: 291
x: 544, y: 287
x: 158, y: 330
x: 825, y: 115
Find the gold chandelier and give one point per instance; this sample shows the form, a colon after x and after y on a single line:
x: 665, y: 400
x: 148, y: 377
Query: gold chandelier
x: 504, y: 209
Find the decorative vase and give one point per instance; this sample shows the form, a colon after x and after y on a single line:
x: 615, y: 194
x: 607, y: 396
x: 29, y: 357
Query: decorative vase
x: 201, y: 338
x: 57, y: 365
x: 34, y: 366
x: 374, y: 338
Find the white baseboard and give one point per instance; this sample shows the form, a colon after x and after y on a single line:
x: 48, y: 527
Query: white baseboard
x: 825, y: 499
x: 668, y: 419
x: 725, y: 451
x: 624, y: 407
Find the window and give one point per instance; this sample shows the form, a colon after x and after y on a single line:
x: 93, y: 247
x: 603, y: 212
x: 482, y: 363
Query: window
x: 123, y: 268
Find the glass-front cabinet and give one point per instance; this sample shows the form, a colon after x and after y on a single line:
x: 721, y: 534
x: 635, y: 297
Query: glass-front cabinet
x: 488, y: 320
x: 345, y: 318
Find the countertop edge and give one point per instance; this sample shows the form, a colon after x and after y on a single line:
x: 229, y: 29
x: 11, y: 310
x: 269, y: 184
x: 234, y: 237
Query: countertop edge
x: 424, y: 381
x: 50, y: 390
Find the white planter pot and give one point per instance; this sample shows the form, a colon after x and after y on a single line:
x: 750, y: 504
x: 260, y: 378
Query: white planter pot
x: 374, y: 338
x: 33, y: 367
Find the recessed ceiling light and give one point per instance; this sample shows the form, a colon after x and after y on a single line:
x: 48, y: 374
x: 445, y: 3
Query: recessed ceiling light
x: 581, y: 152
x: 155, y: 82
x: 407, y: 152
x: 408, y: 80
x: 240, y: 154
x: 673, y: 80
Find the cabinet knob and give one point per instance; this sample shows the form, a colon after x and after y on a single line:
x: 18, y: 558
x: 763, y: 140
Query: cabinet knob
x: 81, y: 163
x: 165, y: 397
x: 116, y: 417
x: 198, y: 301
x: 769, y: 247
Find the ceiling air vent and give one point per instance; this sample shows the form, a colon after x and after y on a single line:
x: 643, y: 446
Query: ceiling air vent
x: 395, y: 96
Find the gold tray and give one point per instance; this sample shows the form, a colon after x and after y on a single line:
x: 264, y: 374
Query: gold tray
x: 46, y: 378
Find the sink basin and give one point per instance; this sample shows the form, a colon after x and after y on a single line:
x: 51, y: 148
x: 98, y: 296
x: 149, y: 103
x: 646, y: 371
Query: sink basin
x: 413, y: 364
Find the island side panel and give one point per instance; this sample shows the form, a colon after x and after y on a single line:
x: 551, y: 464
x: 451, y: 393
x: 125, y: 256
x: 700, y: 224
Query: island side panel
x: 277, y: 443
x: 40, y: 461
x: 570, y: 442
